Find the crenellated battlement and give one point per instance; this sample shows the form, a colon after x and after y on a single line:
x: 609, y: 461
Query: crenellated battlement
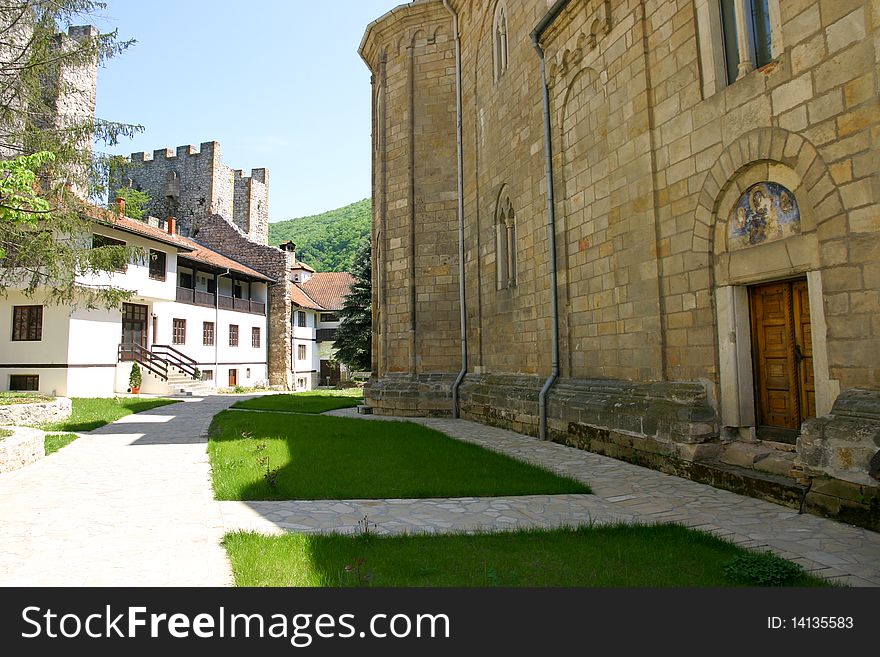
x: 189, y: 181
x: 209, y: 149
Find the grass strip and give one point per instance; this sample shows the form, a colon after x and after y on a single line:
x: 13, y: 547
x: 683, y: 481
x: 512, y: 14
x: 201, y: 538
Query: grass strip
x: 264, y: 456
x: 615, y: 556
x: 92, y: 412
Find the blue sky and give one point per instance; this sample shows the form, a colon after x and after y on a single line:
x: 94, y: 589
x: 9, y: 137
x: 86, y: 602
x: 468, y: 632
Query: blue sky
x: 278, y: 83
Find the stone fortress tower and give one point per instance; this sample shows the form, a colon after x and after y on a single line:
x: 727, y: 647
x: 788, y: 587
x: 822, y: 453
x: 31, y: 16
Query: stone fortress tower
x: 228, y: 212
x: 189, y: 182
x: 69, y: 91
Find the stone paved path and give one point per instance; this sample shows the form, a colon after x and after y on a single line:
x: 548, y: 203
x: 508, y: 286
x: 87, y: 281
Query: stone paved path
x: 622, y: 492
x: 129, y: 504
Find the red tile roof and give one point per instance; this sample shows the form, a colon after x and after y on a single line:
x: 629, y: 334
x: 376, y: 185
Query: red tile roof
x: 113, y: 220
x: 191, y: 250
x: 328, y: 289
x: 303, y: 300
x: 208, y: 257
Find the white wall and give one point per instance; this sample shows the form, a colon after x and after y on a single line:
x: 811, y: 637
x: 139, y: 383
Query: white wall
x: 51, y: 349
x: 308, y: 369
x: 242, y: 357
x: 93, y: 339
x: 137, y: 276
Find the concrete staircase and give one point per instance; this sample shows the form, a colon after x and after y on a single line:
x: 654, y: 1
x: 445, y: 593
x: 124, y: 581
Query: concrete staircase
x: 183, y: 384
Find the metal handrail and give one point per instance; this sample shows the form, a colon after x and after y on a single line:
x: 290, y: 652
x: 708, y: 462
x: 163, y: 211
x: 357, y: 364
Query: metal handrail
x: 152, y: 362
x: 177, y: 358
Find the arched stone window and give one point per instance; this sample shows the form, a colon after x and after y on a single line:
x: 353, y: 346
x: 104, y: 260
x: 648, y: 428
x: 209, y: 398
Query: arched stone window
x: 499, y: 37
x: 505, y: 227
x: 736, y: 37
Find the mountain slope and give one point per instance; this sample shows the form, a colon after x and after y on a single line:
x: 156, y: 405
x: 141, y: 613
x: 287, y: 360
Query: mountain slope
x: 327, y: 241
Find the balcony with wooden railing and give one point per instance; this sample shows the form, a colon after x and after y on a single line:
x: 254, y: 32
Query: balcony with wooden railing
x: 209, y: 299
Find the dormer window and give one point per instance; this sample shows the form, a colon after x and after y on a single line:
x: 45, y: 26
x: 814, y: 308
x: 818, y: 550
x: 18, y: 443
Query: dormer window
x: 499, y: 33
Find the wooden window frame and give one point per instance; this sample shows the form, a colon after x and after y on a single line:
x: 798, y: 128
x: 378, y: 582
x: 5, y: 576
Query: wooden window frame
x: 30, y: 380
x: 178, y: 331
x: 157, y: 273
x: 255, y: 337
x: 209, y: 334
x: 233, y: 335
x: 27, y: 323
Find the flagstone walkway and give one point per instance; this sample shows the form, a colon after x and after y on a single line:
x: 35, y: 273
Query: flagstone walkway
x: 128, y: 504
x: 622, y: 493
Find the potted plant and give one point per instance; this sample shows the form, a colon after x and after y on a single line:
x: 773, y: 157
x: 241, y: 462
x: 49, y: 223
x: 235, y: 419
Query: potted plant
x: 135, y: 379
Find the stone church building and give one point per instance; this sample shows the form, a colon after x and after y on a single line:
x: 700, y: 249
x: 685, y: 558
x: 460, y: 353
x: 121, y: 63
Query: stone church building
x: 647, y: 228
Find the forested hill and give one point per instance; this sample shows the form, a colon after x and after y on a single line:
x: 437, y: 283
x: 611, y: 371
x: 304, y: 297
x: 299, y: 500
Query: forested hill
x: 328, y: 241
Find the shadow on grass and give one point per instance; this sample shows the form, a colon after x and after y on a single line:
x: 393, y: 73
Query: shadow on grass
x: 90, y: 414
x: 611, y: 556
x: 302, y: 402
x: 310, y: 457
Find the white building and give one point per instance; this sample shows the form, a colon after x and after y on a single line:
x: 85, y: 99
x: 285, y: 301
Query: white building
x: 316, y: 300
x: 194, y: 314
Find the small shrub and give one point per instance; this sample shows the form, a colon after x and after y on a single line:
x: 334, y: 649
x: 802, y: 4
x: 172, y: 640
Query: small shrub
x: 135, y: 378
x: 762, y: 569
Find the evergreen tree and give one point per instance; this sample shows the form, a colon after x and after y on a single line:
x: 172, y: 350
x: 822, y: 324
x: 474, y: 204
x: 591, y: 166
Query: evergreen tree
x: 44, y: 229
x: 354, y: 338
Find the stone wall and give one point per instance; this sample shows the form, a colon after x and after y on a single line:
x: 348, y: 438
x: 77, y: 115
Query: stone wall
x: 190, y: 182
x: 251, y: 204
x: 415, y: 234
x: 842, y: 444
x: 37, y: 413
x: 216, y: 233
x: 653, y: 149
x: 23, y: 447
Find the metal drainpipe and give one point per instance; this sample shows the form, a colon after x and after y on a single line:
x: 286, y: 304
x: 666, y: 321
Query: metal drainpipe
x: 551, y: 234
x: 461, y: 263
x: 217, y: 327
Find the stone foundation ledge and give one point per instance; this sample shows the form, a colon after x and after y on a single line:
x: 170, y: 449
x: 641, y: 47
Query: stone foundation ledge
x: 36, y: 413
x: 404, y: 395
x: 22, y: 448
x: 840, y: 445
x: 585, y: 409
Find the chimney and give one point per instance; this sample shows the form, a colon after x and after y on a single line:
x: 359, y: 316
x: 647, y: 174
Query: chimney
x: 171, y: 225
x: 120, y: 207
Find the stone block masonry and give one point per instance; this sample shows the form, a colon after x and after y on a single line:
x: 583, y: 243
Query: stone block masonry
x: 37, y: 413
x: 191, y: 182
x: 23, y: 447
x: 661, y: 159
x: 215, y: 232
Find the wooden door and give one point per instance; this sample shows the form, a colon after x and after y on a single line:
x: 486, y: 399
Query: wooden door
x: 233, y: 378
x: 783, y: 356
x: 803, y: 338
x: 134, y: 328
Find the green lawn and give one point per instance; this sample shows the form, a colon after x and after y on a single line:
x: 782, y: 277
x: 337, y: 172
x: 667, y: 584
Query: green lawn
x: 4, y: 433
x: 56, y: 441
x: 90, y: 413
x: 7, y: 398
x: 625, y: 556
x: 306, y: 402
x: 321, y: 457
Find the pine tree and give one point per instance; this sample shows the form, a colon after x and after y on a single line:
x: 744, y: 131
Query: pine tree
x: 44, y: 226
x: 354, y: 338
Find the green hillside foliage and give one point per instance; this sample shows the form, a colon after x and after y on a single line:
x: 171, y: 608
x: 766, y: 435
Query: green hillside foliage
x: 328, y: 241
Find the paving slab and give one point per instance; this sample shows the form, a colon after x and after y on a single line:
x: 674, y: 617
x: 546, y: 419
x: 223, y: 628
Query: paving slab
x: 623, y: 492
x: 128, y: 504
